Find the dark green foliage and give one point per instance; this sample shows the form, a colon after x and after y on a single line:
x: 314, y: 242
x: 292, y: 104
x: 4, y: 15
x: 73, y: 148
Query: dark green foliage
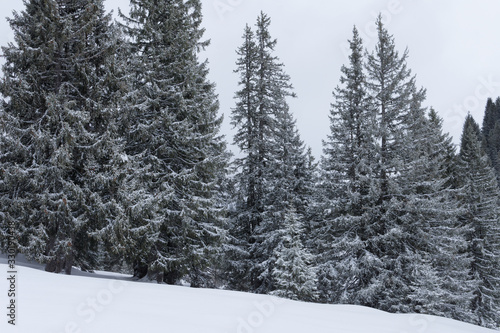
x: 111, y: 157
x: 348, y: 192
x: 293, y: 272
x: 177, y: 158
x: 387, y: 233
x: 61, y: 152
x: 479, y: 199
x: 273, y: 174
x: 491, y: 133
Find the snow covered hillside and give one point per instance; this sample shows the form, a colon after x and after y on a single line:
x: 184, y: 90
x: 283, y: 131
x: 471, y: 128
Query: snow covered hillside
x: 53, y: 303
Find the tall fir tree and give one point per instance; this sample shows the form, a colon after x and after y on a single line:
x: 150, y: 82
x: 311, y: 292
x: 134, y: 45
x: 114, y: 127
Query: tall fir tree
x: 480, y: 202
x: 61, y: 161
x: 273, y: 172
x: 417, y: 210
x: 347, y: 189
x: 248, y: 203
x: 434, y: 251
x: 384, y: 196
x: 271, y: 86
x: 177, y: 157
x: 289, y: 188
x: 391, y: 87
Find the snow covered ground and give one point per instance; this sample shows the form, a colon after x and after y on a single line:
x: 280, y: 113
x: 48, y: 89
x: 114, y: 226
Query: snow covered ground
x: 50, y: 303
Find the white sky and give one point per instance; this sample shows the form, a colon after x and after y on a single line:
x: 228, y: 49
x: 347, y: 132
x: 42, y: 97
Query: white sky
x: 454, y: 50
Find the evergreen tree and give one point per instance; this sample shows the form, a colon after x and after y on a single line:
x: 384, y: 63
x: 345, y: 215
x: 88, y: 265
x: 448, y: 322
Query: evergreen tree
x: 435, y: 246
x: 447, y: 147
x: 294, y: 172
x: 289, y: 188
x: 61, y: 157
x: 493, y: 146
x: 473, y: 127
x: 248, y: 203
x: 271, y: 87
x: 273, y: 172
x: 385, y: 197
x: 416, y: 209
x: 481, y: 215
x: 491, y: 133
x: 347, y: 192
x: 390, y: 84
x: 490, y: 118
x: 293, y: 275
x: 392, y: 90
x: 177, y: 157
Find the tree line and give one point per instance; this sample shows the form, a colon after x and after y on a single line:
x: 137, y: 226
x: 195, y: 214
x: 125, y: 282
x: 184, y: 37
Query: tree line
x: 112, y: 158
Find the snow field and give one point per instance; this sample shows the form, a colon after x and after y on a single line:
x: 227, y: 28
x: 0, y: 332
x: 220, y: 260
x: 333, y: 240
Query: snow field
x: 50, y: 303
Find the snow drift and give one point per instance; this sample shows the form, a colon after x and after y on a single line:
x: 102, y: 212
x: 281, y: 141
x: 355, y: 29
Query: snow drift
x: 114, y: 303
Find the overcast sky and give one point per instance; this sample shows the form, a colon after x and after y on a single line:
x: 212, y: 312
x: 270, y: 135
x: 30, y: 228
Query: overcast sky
x: 454, y: 49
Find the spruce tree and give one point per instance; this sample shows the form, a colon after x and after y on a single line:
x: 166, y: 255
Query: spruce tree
x: 480, y: 203
x: 347, y: 189
x: 490, y: 118
x: 273, y: 169
x: 435, y: 244
x: 289, y: 188
x: 391, y: 87
x: 385, y: 200
x: 490, y: 132
x: 417, y: 210
x: 492, y: 146
x: 248, y: 203
x: 293, y: 274
x: 177, y: 157
x: 62, y: 154
x: 271, y: 89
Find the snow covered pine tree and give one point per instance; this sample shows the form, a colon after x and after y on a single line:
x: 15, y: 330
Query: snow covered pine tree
x: 479, y: 197
x: 491, y: 133
x: 347, y: 192
x: 293, y: 273
x: 384, y: 193
x: 60, y: 155
x: 274, y: 175
x: 177, y: 157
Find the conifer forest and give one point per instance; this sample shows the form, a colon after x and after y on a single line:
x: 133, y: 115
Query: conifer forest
x: 112, y: 158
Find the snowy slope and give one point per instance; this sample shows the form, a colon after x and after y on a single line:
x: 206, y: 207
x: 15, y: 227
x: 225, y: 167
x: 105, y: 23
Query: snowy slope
x: 113, y: 303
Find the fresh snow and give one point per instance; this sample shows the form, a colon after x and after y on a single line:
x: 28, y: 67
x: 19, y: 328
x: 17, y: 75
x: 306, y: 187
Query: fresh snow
x: 57, y: 303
